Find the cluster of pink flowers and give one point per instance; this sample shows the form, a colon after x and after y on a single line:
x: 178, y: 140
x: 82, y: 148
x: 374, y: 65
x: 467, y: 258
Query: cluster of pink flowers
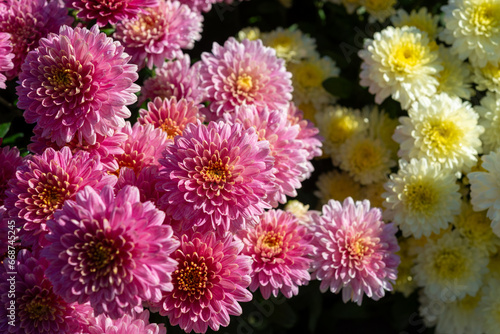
x: 176, y: 213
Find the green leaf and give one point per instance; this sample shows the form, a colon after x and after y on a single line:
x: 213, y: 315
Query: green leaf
x: 338, y: 87
x: 4, y: 128
x: 12, y: 139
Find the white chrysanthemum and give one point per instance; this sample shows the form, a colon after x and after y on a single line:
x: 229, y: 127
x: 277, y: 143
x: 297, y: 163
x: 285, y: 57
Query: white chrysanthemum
x: 301, y: 212
x: 250, y: 33
x: 379, y: 10
x: 472, y: 27
x: 455, y: 78
x: 291, y: 45
x: 338, y: 186
x: 488, y: 77
x: 366, y: 159
x: 445, y: 131
x: 307, y: 79
x: 489, y: 307
x: 381, y: 125
x: 400, y: 63
x: 475, y: 227
x: 422, y: 198
x: 336, y: 124
x: 489, y: 118
x: 485, y: 189
x: 449, y: 268
x: 421, y: 19
x: 457, y: 317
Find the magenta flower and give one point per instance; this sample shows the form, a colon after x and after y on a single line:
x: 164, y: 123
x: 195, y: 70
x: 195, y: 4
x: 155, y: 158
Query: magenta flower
x: 109, y: 11
x: 170, y: 115
x: 77, y: 83
x: 290, y: 158
x: 355, y: 250
x: 45, y: 182
x: 38, y: 309
x: 175, y: 78
x: 136, y: 324
x: 10, y: 161
x: 113, y: 252
x: 210, y: 279
x: 6, y: 57
x: 159, y: 33
x: 145, y: 181
x: 280, y: 249
x: 216, y: 177
x: 27, y: 21
x: 245, y: 72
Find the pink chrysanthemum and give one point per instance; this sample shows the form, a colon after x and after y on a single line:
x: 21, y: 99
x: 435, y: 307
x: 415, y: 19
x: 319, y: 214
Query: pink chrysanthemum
x: 160, y: 33
x: 45, y: 182
x: 38, y: 309
x: 170, y: 115
x: 280, y: 249
x: 245, y: 72
x: 77, y: 83
x: 355, y: 250
x: 10, y: 161
x: 290, y: 167
x: 109, y: 11
x: 6, y: 57
x: 176, y: 78
x: 209, y: 281
x: 216, y: 177
x: 27, y: 21
x: 113, y: 252
x: 136, y: 324
x: 145, y: 181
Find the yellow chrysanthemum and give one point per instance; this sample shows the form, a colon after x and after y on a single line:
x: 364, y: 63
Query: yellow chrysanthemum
x: 338, y: 186
x: 291, y: 45
x: 421, y: 19
x: 250, y: 33
x: 487, y: 77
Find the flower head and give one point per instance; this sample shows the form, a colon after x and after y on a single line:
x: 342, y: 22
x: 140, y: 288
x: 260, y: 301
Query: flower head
x: 421, y: 19
x: 113, y: 252
x: 77, y: 83
x: 487, y: 77
x: 489, y: 119
x: 127, y: 324
x: 280, y: 249
x: 355, y: 251
x: 159, y: 33
x: 291, y: 45
x: 245, y: 72
x: 210, y: 279
x: 337, y: 185
x: 455, y: 78
x: 6, y: 57
x: 379, y: 10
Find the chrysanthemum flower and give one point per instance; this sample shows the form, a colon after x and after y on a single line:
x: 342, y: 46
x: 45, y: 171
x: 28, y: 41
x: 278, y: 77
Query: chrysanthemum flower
x: 355, y: 251
x: 291, y: 45
x: 113, y: 252
x: 405, y: 282
x: 145, y: 181
x: 245, y: 72
x: 421, y: 19
x: 280, y: 249
x: 127, y: 324
x: 290, y: 157
x: 444, y: 131
x: 159, y: 33
x: 489, y: 118
x: 366, y: 159
x: 6, y: 57
x: 379, y: 10
x: 202, y: 5
x: 210, y: 279
x: 307, y: 79
x: 381, y: 126
x: 250, y: 33
x: 336, y: 124
x: 45, y: 182
x: 216, y: 176
x: 449, y: 268
x: 338, y: 186
x: 38, y: 309
x: 472, y: 27
x: 10, y: 161
x: 109, y: 11
x: 170, y: 115
x: 455, y: 78
x: 399, y: 62
x: 301, y: 212
x: 77, y: 83
x: 27, y: 21
x: 485, y: 189
x: 422, y: 198
x: 487, y: 77
x: 489, y: 306
x: 176, y: 78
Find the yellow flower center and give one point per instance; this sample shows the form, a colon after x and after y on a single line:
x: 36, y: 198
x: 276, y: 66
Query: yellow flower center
x: 171, y: 128
x: 491, y: 71
x: 449, y: 263
x: 39, y: 309
x: 217, y: 172
x: 50, y: 193
x: 486, y: 17
x: 420, y: 196
x: 270, y: 244
x: 342, y: 128
x: 469, y: 303
x: 100, y: 254
x: 441, y: 135
x: 364, y: 156
x: 60, y: 78
x: 192, y: 278
x: 406, y: 56
x: 244, y: 83
x: 308, y: 75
